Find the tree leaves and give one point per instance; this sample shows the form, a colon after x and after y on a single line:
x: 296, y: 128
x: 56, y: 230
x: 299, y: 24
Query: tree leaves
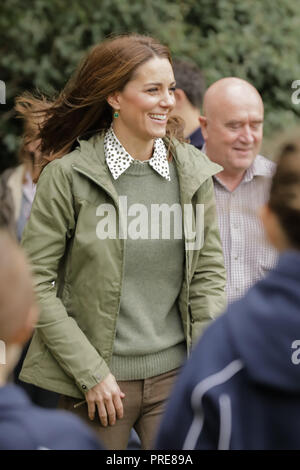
x: 42, y: 43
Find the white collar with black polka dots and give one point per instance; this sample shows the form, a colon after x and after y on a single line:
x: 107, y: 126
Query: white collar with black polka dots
x: 118, y: 159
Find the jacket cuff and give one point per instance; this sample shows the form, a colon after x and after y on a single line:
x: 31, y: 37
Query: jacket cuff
x: 88, y: 381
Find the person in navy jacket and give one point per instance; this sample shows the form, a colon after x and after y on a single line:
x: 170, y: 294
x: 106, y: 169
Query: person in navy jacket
x: 240, y: 389
x: 190, y: 88
x: 23, y: 425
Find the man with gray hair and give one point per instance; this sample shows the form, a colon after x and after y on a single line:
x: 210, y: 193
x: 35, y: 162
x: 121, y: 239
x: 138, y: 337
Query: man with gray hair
x: 232, y: 126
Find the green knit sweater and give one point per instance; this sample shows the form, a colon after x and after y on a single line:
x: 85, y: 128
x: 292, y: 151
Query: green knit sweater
x: 149, y: 338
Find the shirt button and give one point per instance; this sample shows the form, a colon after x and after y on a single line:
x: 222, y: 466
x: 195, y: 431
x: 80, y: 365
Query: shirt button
x: 84, y: 387
x: 236, y: 257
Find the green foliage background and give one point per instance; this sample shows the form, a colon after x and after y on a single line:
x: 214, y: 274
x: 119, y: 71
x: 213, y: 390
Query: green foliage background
x: 42, y: 41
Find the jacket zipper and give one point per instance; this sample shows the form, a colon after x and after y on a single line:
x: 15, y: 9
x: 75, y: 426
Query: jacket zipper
x: 123, y: 263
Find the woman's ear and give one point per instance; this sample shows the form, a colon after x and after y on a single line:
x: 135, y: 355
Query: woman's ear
x: 114, y: 101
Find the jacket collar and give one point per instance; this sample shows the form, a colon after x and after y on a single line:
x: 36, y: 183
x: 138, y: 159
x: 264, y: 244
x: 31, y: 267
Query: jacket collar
x: 90, y: 161
x: 193, y: 167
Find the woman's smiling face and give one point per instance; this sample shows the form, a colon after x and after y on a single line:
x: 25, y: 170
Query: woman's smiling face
x: 146, y: 101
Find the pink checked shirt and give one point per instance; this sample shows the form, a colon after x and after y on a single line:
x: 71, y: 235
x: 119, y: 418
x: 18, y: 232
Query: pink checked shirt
x: 248, y: 255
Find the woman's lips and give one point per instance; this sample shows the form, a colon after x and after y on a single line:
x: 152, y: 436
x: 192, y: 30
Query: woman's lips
x: 160, y: 118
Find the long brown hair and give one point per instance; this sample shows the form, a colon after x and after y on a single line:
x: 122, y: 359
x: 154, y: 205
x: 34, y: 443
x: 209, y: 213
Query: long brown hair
x: 285, y: 191
x: 81, y: 109
x: 32, y: 111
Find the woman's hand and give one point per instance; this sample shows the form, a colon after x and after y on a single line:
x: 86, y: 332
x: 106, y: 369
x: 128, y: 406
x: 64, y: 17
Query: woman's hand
x: 107, y: 396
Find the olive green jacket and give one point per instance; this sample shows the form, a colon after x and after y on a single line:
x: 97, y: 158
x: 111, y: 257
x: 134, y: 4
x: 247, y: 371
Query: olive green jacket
x: 78, y: 277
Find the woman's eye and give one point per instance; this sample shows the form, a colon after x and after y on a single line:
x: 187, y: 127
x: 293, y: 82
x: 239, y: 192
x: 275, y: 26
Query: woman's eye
x: 151, y: 90
x: 173, y: 88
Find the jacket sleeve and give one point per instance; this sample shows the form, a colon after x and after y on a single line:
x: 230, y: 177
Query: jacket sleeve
x: 207, y: 298
x: 51, y: 225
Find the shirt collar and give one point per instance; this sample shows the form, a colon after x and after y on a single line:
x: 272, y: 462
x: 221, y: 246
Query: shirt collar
x: 261, y: 166
x: 119, y: 160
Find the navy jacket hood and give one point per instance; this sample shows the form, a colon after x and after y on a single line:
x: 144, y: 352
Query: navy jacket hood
x: 24, y: 426
x: 265, y: 329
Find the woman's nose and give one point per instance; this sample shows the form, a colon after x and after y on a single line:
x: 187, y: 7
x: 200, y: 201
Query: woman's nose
x: 168, y: 99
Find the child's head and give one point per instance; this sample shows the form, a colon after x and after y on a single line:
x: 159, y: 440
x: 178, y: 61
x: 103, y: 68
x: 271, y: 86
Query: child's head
x: 281, y: 216
x: 17, y: 307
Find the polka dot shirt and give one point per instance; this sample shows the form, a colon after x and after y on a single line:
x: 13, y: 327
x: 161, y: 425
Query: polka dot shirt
x: 118, y: 159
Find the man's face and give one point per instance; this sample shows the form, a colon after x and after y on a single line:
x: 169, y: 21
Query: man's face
x: 233, y: 132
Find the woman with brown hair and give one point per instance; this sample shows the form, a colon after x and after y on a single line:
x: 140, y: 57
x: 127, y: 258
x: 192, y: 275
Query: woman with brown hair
x: 124, y: 288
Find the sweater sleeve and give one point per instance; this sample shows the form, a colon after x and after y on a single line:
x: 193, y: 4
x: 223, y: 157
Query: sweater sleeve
x: 51, y: 226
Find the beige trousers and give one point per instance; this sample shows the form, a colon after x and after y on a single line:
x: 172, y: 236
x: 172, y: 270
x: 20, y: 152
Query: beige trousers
x: 143, y: 404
